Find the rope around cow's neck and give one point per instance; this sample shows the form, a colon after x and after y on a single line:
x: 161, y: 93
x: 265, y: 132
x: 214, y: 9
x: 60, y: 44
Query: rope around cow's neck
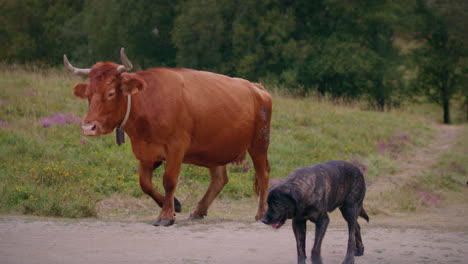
x: 127, y: 114
x: 119, y: 133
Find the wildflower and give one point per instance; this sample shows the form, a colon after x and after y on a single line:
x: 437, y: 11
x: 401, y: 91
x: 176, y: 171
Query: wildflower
x: 428, y: 197
x: 382, y: 147
x: 45, y: 122
x: 394, y: 146
x: 274, y: 181
x: 32, y: 92
x: 60, y: 119
x: 4, y: 125
x: 362, y: 167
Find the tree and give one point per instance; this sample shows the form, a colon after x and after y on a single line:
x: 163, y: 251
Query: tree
x: 202, y: 34
x: 142, y: 27
x: 31, y: 30
x: 263, y: 43
x: 378, y: 22
x: 441, y: 60
x: 351, y: 51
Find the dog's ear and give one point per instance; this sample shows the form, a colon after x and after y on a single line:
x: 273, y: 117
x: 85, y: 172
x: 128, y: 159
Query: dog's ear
x: 297, y: 198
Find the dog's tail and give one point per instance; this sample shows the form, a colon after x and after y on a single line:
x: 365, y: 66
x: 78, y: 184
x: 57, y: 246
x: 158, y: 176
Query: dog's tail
x: 364, y: 215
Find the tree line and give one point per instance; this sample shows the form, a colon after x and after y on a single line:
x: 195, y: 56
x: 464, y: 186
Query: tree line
x: 382, y: 50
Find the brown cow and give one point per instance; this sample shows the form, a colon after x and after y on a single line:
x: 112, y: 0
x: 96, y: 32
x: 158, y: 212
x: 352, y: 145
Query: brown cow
x: 180, y: 116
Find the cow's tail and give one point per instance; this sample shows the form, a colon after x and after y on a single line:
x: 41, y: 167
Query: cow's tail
x: 363, y: 214
x: 257, y: 187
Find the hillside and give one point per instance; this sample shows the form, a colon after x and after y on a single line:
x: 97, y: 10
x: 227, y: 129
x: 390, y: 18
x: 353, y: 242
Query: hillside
x: 49, y: 169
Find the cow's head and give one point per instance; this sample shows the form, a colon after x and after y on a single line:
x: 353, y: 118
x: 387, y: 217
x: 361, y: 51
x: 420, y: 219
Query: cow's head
x: 107, y: 91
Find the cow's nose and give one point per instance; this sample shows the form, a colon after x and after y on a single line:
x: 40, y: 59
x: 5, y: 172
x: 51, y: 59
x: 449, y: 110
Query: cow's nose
x: 89, y: 129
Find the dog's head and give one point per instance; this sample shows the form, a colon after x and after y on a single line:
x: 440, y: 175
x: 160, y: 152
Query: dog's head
x: 281, y: 207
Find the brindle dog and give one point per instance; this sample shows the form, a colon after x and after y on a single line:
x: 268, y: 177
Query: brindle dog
x: 308, y: 193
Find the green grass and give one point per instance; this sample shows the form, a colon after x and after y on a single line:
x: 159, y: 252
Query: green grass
x: 49, y: 171
x: 447, y: 179
x: 442, y: 182
x: 434, y: 112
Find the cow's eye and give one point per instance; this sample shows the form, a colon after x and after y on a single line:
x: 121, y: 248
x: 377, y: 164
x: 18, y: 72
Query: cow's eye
x: 111, y: 94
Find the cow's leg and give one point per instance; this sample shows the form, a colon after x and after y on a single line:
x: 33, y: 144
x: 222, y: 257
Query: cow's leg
x: 218, y: 179
x: 262, y: 169
x: 321, y: 225
x: 349, y: 212
x: 299, y: 228
x: 258, y: 152
x: 170, y: 179
x: 145, y: 172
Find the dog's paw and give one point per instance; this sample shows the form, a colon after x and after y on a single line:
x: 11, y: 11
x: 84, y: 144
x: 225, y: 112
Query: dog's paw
x: 359, y: 252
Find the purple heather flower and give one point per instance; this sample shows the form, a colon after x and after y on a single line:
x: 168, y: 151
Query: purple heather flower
x: 382, y: 147
x: 31, y: 92
x: 394, y: 146
x: 428, y: 197
x: 274, y: 181
x: 3, y: 124
x: 60, y: 119
x: 360, y: 165
x: 45, y: 122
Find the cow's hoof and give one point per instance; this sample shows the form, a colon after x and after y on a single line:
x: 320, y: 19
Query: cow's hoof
x: 359, y: 252
x: 195, y: 217
x: 258, y: 217
x: 164, y: 222
x: 177, y: 206
x: 348, y: 261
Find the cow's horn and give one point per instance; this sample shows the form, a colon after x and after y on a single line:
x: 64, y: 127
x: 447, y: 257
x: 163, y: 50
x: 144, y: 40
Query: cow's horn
x: 70, y: 68
x: 127, y: 65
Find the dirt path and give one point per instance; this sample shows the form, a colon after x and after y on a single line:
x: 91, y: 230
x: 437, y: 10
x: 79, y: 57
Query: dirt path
x: 424, y: 157
x: 380, y: 192
x: 436, y: 236
x: 32, y: 242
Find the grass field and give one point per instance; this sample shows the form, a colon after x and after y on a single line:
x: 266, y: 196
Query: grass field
x: 47, y: 168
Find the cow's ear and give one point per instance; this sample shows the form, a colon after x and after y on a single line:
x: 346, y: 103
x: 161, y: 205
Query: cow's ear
x: 132, y: 83
x: 80, y: 90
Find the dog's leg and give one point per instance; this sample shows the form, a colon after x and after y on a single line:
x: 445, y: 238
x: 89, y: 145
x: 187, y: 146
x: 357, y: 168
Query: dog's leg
x: 299, y: 228
x: 349, y: 213
x: 320, y: 228
x: 359, y: 245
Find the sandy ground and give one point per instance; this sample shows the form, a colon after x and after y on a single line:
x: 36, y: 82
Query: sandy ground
x: 50, y: 241
x: 47, y: 241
